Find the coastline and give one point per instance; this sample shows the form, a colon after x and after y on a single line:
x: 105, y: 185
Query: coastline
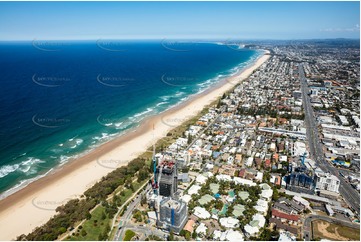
x: 72, y: 179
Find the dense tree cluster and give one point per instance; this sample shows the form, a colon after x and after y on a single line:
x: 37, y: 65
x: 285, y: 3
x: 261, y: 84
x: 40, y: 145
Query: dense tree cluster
x: 73, y: 211
x: 118, y: 177
x: 76, y: 210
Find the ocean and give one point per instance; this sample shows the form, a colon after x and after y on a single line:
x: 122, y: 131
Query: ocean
x: 61, y: 99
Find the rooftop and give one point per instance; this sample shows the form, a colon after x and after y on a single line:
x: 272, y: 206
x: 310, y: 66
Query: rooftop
x: 279, y: 214
x: 243, y: 195
x: 229, y: 222
x: 238, y: 210
x: 205, y: 199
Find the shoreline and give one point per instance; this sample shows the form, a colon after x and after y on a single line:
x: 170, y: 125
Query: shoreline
x: 24, y: 183
x: 76, y: 176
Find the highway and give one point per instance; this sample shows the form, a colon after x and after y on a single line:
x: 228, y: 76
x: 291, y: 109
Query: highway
x: 142, y: 231
x: 128, y: 214
x: 146, y: 231
x: 307, y: 229
x: 351, y: 196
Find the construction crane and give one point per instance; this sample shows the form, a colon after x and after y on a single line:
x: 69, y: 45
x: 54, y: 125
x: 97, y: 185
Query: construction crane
x: 157, y: 203
x: 155, y: 184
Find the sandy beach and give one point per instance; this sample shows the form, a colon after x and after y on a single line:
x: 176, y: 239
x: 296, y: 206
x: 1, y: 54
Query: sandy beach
x: 34, y: 205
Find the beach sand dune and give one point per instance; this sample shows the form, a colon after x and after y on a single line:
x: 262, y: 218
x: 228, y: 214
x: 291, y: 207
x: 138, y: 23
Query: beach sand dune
x: 34, y: 205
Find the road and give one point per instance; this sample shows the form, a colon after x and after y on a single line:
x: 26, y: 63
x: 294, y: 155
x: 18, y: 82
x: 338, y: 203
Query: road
x: 351, y: 196
x: 307, y: 229
x: 206, y: 128
x: 145, y: 232
x: 128, y: 214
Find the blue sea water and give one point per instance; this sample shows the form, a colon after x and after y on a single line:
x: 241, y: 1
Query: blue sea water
x: 61, y: 99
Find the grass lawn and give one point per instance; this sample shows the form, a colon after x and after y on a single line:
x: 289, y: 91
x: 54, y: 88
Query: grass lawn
x: 112, y: 234
x: 129, y: 234
x: 128, y: 192
x: 93, y: 230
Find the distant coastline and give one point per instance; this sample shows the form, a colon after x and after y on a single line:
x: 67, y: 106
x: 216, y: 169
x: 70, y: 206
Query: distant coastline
x: 73, y: 178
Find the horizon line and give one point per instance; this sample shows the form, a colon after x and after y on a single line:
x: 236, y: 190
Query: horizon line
x: 198, y: 39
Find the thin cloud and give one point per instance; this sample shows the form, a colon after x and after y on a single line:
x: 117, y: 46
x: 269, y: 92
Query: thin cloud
x: 356, y: 28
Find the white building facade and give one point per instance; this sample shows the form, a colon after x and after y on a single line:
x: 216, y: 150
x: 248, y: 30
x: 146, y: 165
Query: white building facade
x: 326, y: 181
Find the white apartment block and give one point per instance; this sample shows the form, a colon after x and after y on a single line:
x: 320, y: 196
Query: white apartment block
x: 326, y: 181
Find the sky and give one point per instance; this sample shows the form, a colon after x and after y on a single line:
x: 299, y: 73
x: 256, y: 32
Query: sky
x: 178, y: 20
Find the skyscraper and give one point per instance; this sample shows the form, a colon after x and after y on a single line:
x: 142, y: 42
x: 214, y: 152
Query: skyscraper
x: 167, y: 178
x: 173, y: 214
